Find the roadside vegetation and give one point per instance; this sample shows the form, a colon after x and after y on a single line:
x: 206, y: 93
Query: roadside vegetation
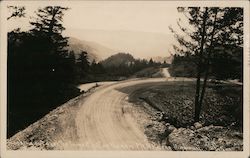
x: 221, y: 122
x: 213, y: 43
x: 175, y: 100
x: 203, y: 115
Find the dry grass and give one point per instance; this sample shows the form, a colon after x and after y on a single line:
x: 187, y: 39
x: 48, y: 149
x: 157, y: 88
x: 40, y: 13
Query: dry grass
x: 176, y: 100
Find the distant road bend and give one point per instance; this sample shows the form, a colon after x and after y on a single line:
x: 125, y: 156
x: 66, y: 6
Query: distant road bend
x: 165, y: 72
x: 101, y: 122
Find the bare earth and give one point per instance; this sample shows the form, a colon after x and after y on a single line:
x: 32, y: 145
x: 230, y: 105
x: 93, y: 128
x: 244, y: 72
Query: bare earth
x: 101, y: 119
x: 103, y: 122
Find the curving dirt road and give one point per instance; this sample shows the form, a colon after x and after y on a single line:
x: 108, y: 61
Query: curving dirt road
x: 102, y: 123
x: 165, y: 72
x: 102, y: 119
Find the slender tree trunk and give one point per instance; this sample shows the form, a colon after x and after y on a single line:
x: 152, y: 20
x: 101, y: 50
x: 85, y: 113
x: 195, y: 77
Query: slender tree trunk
x: 207, y: 65
x: 197, y: 93
x: 203, y: 90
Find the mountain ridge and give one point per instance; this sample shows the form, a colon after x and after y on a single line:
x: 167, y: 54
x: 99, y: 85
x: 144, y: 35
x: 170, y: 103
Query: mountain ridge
x: 94, y: 50
x: 139, y: 44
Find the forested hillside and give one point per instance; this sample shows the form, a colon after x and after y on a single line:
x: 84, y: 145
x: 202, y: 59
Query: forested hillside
x: 226, y: 63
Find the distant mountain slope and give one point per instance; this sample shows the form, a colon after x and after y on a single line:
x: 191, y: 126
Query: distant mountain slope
x: 139, y: 44
x: 95, y: 50
x: 118, y: 59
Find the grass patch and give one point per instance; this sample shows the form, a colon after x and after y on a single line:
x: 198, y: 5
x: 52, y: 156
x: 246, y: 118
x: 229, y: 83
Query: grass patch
x: 222, y: 103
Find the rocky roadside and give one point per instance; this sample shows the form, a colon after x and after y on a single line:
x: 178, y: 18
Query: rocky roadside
x: 147, y: 122
x: 208, y: 138
x: 193, y: 138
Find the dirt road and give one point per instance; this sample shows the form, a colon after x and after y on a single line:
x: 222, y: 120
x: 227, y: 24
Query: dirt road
x: 102, y: 119
x: 165, y: 72
x: 102, y: 123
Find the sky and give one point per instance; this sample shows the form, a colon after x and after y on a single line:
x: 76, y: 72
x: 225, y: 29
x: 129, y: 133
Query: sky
x: 148, y: 17
x: 144, y: 17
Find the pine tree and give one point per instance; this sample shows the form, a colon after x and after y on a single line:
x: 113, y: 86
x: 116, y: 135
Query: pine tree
x: 209, y: 29
x: 151, y: 62
x: 48, y: 29
x: 83, y: 64
x: 49, y: 22
x: 16, y: 11
x: 70, y: 68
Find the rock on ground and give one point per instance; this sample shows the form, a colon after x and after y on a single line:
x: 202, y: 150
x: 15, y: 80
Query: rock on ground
x: 209, y: 138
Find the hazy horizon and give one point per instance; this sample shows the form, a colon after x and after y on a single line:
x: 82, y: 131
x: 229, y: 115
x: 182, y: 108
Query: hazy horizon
x: 138, y: 28
x: 137, y: 43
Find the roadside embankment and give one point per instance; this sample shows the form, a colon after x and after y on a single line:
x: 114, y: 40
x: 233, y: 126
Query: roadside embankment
x: 170, y: 106
x: 54, y: 130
